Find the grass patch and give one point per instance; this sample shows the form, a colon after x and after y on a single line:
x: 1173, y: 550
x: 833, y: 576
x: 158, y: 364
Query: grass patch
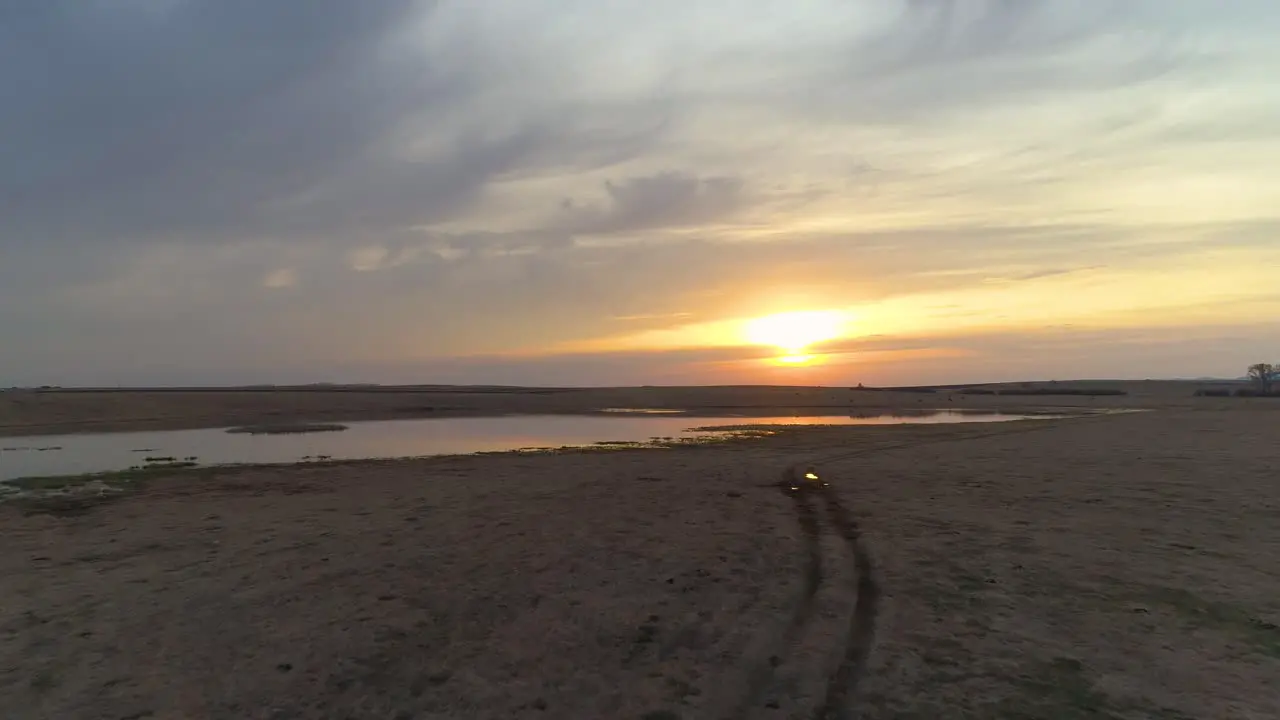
x: 957, y: 683
x: 1060, y: 690
x: 656, y: 443
x: 1198, y: 612
x: 75, y: 494
x: 70, y: 482
x: 287, y: 428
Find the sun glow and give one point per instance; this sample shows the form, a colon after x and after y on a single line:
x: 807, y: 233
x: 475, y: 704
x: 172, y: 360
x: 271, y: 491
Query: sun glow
x: 793, y: 332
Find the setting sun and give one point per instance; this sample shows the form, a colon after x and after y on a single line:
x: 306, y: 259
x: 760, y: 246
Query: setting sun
x: 795, y: 331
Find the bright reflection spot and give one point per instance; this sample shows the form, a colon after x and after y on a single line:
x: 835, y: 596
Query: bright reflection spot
x: 810, y: 476
x: 795, y: 331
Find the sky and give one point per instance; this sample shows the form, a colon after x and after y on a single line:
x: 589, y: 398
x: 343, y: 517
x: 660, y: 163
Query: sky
x: 614, y: 192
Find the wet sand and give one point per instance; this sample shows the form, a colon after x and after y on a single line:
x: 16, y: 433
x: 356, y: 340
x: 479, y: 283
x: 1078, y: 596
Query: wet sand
x: 1123, y: 566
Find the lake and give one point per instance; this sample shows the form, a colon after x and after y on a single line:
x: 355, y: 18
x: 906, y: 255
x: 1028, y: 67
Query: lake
x: 101, y: 452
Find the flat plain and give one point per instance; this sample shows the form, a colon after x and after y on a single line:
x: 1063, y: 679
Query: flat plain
x: 1116, y: 566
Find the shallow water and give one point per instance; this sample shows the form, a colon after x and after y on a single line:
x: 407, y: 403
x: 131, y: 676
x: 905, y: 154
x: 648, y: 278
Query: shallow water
x: 73, y: 454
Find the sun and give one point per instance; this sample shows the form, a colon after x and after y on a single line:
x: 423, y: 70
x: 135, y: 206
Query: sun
x: 793, y: 332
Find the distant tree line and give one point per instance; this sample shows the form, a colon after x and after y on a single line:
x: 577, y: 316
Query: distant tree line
x: 1263, y: 379
x: 1263, y: 376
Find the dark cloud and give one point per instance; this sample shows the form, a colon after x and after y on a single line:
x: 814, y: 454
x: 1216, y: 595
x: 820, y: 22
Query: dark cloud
x: 669, y: 199
x: 222, y: 119
x: 195, y: 118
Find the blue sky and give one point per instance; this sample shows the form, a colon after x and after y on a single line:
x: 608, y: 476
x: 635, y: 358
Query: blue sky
x: 586, y: 192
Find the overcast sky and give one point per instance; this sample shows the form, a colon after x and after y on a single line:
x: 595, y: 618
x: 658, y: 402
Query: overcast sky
x: 603, y: 191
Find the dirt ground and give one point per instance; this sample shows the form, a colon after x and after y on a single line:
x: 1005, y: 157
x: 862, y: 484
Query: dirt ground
x: 27, y: 412
x: 1123, y: 566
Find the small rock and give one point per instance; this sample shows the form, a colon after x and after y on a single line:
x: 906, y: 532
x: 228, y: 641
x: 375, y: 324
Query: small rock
x: 1140, y: 609
x: 539, y: 704
x: 439, y: 678
x: 284, y: 667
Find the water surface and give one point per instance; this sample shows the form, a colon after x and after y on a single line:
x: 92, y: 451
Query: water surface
x: 73, y: 454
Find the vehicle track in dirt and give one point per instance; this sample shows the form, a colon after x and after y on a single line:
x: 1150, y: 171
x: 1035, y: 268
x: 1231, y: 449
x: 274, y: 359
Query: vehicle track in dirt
x: 808, y: 489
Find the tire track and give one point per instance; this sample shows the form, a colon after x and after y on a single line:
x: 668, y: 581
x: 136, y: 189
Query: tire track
x: 808, y: 493
x: 804, y: 486
x: 860, y: 635
x: 758, y: 677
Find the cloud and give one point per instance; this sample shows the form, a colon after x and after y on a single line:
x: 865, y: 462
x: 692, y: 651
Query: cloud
x: 446, y: 178
x: 1042, y: 354
x: 669, y: 199
x: 282, y: 278
x: 215, y: 120
x: 194, y: 120
x: 1047, y: 273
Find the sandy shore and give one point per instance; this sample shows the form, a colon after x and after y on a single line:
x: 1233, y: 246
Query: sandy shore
x: 27, y: 412
x: 1113, y: 567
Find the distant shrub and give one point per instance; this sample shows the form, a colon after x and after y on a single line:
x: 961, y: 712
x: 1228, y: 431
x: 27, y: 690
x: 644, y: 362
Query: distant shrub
x: 977, y: 391
x: 1254, y: 393
x: 1213, y: 393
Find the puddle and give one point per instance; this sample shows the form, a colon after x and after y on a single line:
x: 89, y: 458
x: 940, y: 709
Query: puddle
x: 104, y: 452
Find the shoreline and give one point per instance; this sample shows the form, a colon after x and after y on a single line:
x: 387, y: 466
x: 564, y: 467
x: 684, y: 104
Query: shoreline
x: 334, y: 422
x: 191, y: 453
x: 37, y: 413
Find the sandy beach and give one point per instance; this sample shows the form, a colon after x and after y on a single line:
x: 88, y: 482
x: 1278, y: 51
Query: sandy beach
x: 1120, y: 566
